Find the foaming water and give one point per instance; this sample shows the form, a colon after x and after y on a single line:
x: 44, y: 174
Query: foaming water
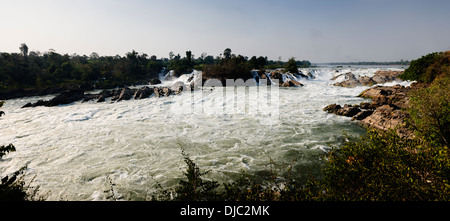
x: 72, y: 150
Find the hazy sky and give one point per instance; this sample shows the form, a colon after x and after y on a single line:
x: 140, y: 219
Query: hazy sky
x: 315, y: 30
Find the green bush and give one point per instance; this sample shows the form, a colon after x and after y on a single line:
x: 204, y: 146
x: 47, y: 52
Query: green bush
x: 291, y: 66
x: 12, y: 187
x: 195, y: 188
x: 430, y: 111
x: 428, y: 67
x: 382, y: 166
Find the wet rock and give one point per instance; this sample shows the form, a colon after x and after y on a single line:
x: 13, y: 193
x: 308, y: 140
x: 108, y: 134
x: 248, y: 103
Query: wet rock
x: 392, y: 95
x: 66, y: 97
x: 291, y: 83
x: 143, y: 92
x: 332, y: 108
x: 125, y: 94
x: 386, y: 76
x: 162, y: 91
x: 311, y: 76
x: 177, y: 88
x: 378, y: 78
x: 362, y: 115
x: 384, y: 118
x: 37, y: 104
x: 346, y: 110
x: 276, y: 74
x: 386, y: 111
x: 154, y: 81
x: 347, y: 76
x: 89, y: 97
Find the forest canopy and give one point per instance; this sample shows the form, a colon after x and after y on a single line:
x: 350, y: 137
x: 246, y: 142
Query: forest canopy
x: 37, y: 71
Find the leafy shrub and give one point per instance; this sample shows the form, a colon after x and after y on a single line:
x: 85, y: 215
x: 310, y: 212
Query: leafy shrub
x: 195, y: 188
x: 12, y: 187
x: 382, y: 166
x: 428, y: 67
x: 233, y: 68
x: 430, y: 111
x: 291, y: 66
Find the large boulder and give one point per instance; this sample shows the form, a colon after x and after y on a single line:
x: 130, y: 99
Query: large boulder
x: 291, y: 83
x: 384, y: 118
x: 154, y: 81
x: 346, y: 110
x: 125, y: 94
x: 162, y: 91
x: 143, y: 92
x: 386, y: 76
x: 66, y: 97
x: 379, y: 77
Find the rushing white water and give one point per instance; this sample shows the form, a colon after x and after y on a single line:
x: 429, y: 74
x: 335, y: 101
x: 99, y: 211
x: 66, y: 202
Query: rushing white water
x: 71, y: 150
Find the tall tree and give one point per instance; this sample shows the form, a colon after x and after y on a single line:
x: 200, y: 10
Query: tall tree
x: 291, y: 66
x: 24, y: 49
x: 227, y: 53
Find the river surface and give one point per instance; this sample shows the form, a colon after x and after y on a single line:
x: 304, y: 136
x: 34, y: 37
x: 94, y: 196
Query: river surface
x: 74, y: 151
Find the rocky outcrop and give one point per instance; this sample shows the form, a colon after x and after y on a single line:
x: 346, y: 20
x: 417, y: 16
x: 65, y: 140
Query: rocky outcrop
x: 347, y: 110
x: 125, y: 94
x: 291, y: 83
x: 116, y: 95
x: 386, y: 111
x: 143, y: 92
x: 154, y: 81
x: 65, y: 97
x: 379, y: 77
x: 287, y: 80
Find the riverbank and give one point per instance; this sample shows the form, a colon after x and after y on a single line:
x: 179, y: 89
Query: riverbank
x: 387, y: 108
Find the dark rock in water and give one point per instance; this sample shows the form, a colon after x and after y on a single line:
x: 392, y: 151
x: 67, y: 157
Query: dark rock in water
x: 27, y: 105
x: 387, y: 110
x: 154, y: 81
x: 2, y: 113
x: 347, y: 110
x: 125, y: 94
x: 177, y: 88
x: 38, y: 103
x: 162, y: 91
x: 291, y: 83
x: 365, y: 105
x: 276, y: 75
x: 143, y: 92
x: 362, y: 115
x: 88, y: 97
x: 379, y: 78
x: 332, y: 108
x: 66, y: 97
x: 348, y: 76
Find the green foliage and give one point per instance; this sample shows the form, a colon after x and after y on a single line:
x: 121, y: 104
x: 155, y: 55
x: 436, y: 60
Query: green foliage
x: 40, y: 71
x: 383, y: 166
x: 430, y: 111
x: 428, y: 67
x: 13, y: 186
x: 234, y: 67
x: 195, y: 188
x: 291, y: 66
x: 6, y: 149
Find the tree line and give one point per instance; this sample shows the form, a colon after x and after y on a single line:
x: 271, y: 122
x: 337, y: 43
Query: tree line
x: 33, y: 70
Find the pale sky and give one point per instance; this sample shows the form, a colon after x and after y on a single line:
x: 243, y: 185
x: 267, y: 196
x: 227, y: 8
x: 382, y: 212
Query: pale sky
x: 315, y: 30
